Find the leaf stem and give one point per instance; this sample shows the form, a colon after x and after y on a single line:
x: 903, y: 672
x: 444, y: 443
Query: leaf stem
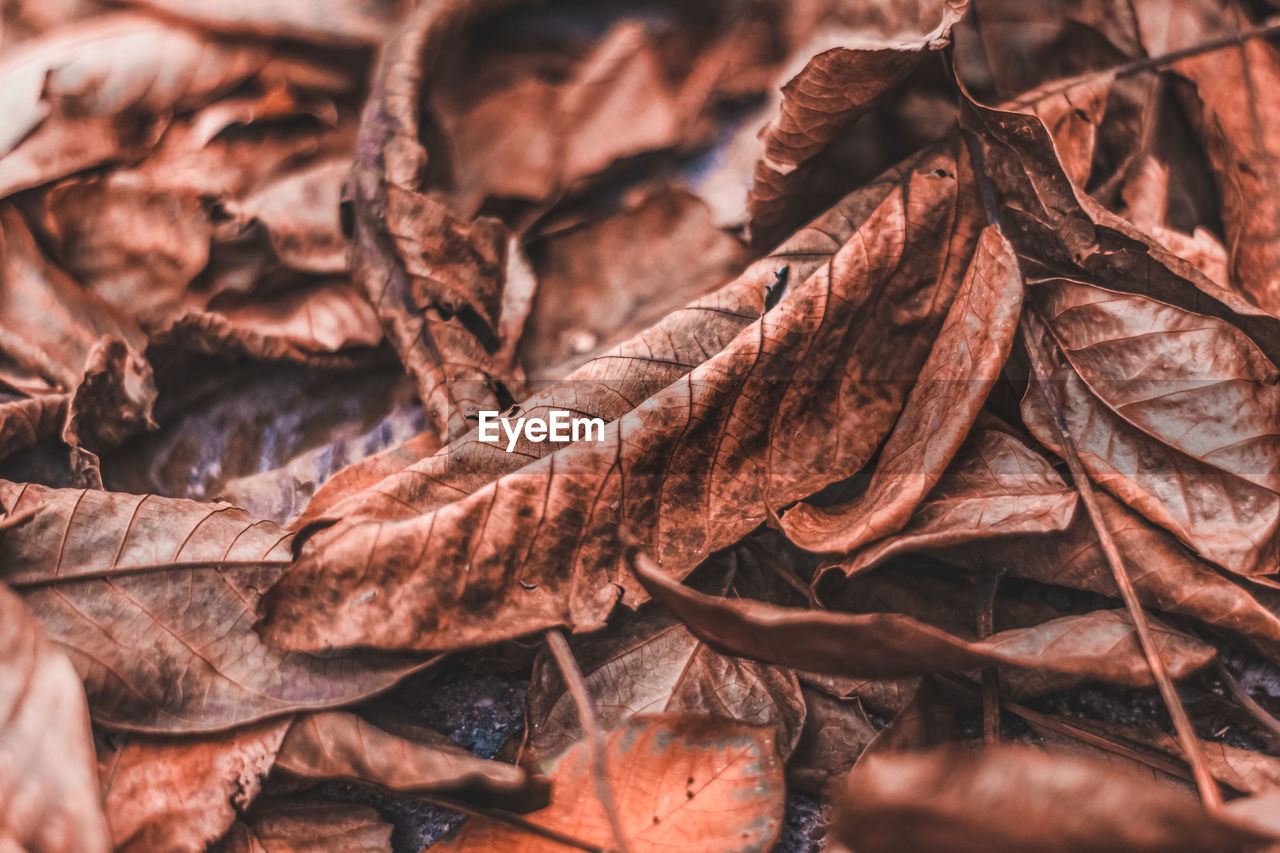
x: 1208, y: 787
x: 591, y: 730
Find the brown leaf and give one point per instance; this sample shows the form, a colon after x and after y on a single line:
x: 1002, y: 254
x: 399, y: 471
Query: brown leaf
x: 339, y: 745
x: 1133, y: 417
x: 614, y: 383
x: 437, y: 279
x: 693, y: 468
x: 1007, y: 799
x: 1235, y: 109
x: 1166, y: 575
x: 681, y: 782
x: 326, y: 322
x: 308, y: 826
x: 836, y: 731
x: 608, y: 270
x: 649, y: 665
x: 337, y: 22
x: 159, y: 630
x: 134, y: 243
x: 47, y: 778
x: 76, y: 68
x: 24, y: 420
x: 962, y: 367
x: 182, y: 795
x: 300, y: 212
x: 995, y: 487
x: 78, y: 344
x: 1099, y: 646
x: 835, y: 88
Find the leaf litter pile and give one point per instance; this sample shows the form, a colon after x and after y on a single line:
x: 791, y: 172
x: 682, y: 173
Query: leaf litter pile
x: 935, y: 349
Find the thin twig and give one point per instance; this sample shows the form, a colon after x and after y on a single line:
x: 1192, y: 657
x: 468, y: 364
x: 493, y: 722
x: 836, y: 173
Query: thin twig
x: 1209, y: 792
x: 987, y: 587
x: 1075, y: 730
x: 591, y: 730
x: 513, y: 820
x: 1259, y: 713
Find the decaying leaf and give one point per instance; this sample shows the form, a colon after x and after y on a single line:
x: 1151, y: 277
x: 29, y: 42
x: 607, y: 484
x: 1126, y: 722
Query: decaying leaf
x: 77, y: 344
x: 339, y: 745
x: 962, y: 367
x: 1100, y: 645
x: 653, y: 665
x: 693, y: 464
x: 1020, y: 799
x: 307, y: 826
x: 685, y: 782
x: 47, y: 775
x: 834, y: 89
x: 182, y: 795
x: 153, y: 598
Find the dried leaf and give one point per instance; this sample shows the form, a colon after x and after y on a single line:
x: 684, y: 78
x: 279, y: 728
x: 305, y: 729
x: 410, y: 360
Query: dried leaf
x: 47, y: 776
x: 996, y: 487
x: 962, y: 367
x: 158, y: 628
x: 77, y: 343
x: 132, y: 242
x: 612, y: 384
x: 182, y: 795
x: 76, y: 68
x: 339, y: 745
x: 1187, y: 473
x: 835, y: 88
x: 308, y: 826
x: 652, y: 665
x: 1235, y: 109
x: 1019, y: 799
x: 1098, y: 646
x: 437, y: 279
x: 694, y: 465
x: 681, y: 782
x: 300, y: 212
x: 338, y: 22
x: 326, y: 322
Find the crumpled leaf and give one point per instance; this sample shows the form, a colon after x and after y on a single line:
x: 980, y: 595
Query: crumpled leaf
x: 159, y: 628
x: 182, y: 795
x: 338, y: 22
x: 1006, y: 799
x: 307, y: 826
x: 693, y: 468
x: 76, y: 69
x: 617, y: 284
x: 962, y: 367
x: 650, y: 665
x: 47, y: 780
x: 1235, y: 110
x: 326, y: 322
x: 79, y: 345
x: 834, y: 89
x: 340, y: 745
x: 1100, y: 645
x: 681, y: 781
x: 995, y: 487
x: 300, y: 212
x: 611, y: 384
x: 1211, y: 488
x: 439, y: 281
